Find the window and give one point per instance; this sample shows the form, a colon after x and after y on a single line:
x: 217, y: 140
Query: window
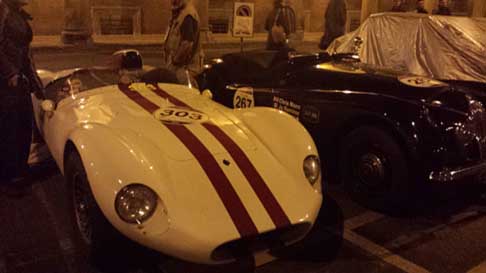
x: 220, y: 15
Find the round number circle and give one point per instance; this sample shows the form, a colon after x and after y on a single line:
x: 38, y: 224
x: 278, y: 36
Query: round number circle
x: 243, y: 98
x: 180, y: 115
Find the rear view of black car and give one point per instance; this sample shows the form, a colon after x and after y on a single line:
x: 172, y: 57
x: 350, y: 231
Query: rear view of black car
x: 382, y: 133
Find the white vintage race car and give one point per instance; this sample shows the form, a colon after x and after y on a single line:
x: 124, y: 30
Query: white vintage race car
x: 174, y: 171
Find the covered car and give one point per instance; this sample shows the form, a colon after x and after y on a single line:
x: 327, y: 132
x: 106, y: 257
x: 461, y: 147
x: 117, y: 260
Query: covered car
x: 383, y: 133
x: 443, y: 47
x: 174, y: 171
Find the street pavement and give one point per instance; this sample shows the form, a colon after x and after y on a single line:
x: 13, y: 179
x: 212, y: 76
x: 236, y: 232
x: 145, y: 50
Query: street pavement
x: 446, y: 233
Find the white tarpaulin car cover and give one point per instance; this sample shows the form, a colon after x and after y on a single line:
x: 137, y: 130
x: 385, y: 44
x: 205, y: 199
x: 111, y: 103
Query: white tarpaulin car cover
x: 443, y: 47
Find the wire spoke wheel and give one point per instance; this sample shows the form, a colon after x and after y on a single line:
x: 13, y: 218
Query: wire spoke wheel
x: 371, y: 172
x: 81, y: 205
x: 373, y: 168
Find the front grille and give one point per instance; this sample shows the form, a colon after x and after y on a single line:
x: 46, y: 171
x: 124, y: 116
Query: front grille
x: 269, y: 240
x: 476, y: 124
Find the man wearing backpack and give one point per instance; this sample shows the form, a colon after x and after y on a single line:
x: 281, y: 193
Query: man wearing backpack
x: 280, y: 25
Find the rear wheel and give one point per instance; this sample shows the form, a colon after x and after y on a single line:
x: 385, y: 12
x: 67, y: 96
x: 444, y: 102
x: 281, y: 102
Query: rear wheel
x: 374, y: 169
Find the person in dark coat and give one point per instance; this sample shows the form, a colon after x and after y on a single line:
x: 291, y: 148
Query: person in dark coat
x: 282, y: 16
x: 443, y: 8
x: 18, y: 78
x: 421, y: 7
x: 398, y: 6
x: 335, y: 22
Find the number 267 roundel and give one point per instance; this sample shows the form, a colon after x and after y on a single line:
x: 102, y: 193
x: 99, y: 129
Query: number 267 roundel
x: 180, y: 115
x: 243, y: 98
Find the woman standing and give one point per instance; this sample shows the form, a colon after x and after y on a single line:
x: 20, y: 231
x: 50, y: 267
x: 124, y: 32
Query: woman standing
x: 18, y: 78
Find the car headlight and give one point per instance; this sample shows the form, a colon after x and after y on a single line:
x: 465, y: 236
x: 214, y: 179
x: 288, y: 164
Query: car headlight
x: 135, y: 203
x: 312, y: 169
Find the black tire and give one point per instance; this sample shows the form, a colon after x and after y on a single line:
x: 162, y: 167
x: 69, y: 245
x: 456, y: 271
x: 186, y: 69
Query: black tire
x: 95, y: 239
x: 374, y: 170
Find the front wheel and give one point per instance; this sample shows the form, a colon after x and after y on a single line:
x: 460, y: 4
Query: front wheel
x: 95, y: 238
x: 374, y: 169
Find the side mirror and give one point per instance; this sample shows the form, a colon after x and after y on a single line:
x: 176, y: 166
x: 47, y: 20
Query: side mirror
x: 207, y: 93
x: 48, y: 106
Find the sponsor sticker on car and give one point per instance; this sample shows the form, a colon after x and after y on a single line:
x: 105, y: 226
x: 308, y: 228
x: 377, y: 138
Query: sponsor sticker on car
x: 287, y: 105
x: 243, y: 98
x: 310, y: 114
x: 176, y: 115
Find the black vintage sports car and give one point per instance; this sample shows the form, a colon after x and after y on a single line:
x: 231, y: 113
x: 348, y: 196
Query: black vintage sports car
x: 380, y: 132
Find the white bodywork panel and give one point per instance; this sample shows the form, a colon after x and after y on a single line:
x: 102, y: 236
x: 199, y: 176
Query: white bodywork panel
x: 120, y: 143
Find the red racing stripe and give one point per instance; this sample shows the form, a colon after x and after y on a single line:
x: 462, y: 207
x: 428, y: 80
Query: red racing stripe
x: 221, y: 183
x: 273, y: 208
x: 161, y: 93
x: 139, y: 99
x: 238, y: 213
x: 279, y: 218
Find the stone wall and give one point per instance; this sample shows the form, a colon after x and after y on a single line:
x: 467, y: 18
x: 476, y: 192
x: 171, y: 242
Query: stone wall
x: 48, y: 16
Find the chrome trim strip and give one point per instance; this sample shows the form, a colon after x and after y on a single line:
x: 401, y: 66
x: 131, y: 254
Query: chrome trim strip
x: 455, y: 174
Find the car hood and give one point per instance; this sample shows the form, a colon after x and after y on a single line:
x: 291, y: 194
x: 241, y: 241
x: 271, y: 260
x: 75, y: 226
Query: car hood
x: 378, y: 80
x: 130, y: 117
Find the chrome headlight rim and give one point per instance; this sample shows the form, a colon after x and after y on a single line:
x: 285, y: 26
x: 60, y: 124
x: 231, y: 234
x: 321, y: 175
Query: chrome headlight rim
x: 312, y: 169
x: 136, y: 192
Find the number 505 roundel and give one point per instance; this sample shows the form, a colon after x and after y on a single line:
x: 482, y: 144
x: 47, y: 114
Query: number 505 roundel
x: 180, y: 115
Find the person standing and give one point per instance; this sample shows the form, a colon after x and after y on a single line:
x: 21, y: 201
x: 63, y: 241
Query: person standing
x: 335, y: 25
x: 18, y: 78
x: 398, y: 6
x: 280, y: 25
x: 443, y: 8
x: 421, y: 7
x: 182, y: 46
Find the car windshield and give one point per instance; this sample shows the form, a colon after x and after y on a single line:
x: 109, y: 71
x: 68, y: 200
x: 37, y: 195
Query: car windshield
x: 87, y: 79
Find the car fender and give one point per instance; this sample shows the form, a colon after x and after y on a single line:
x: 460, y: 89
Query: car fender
x: 108, y: 172
x: 406, y: 132
x: 266, y: 123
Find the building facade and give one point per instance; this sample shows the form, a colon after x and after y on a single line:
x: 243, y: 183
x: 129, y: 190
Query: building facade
x: 102, y: 17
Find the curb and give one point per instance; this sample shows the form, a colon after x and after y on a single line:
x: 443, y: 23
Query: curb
x: 152, y: 47
x: 148, y: 42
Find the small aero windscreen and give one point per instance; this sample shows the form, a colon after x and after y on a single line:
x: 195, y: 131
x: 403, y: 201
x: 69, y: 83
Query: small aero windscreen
x: 80, y: 81
x: 89, y: 79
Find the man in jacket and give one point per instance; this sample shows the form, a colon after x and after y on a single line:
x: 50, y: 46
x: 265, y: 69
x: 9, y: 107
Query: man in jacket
x: 18, y: 77
x: 335, y: 22
x: 182, y: 46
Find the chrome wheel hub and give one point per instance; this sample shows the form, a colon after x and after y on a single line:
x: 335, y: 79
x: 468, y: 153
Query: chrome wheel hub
x: 371, y: 170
